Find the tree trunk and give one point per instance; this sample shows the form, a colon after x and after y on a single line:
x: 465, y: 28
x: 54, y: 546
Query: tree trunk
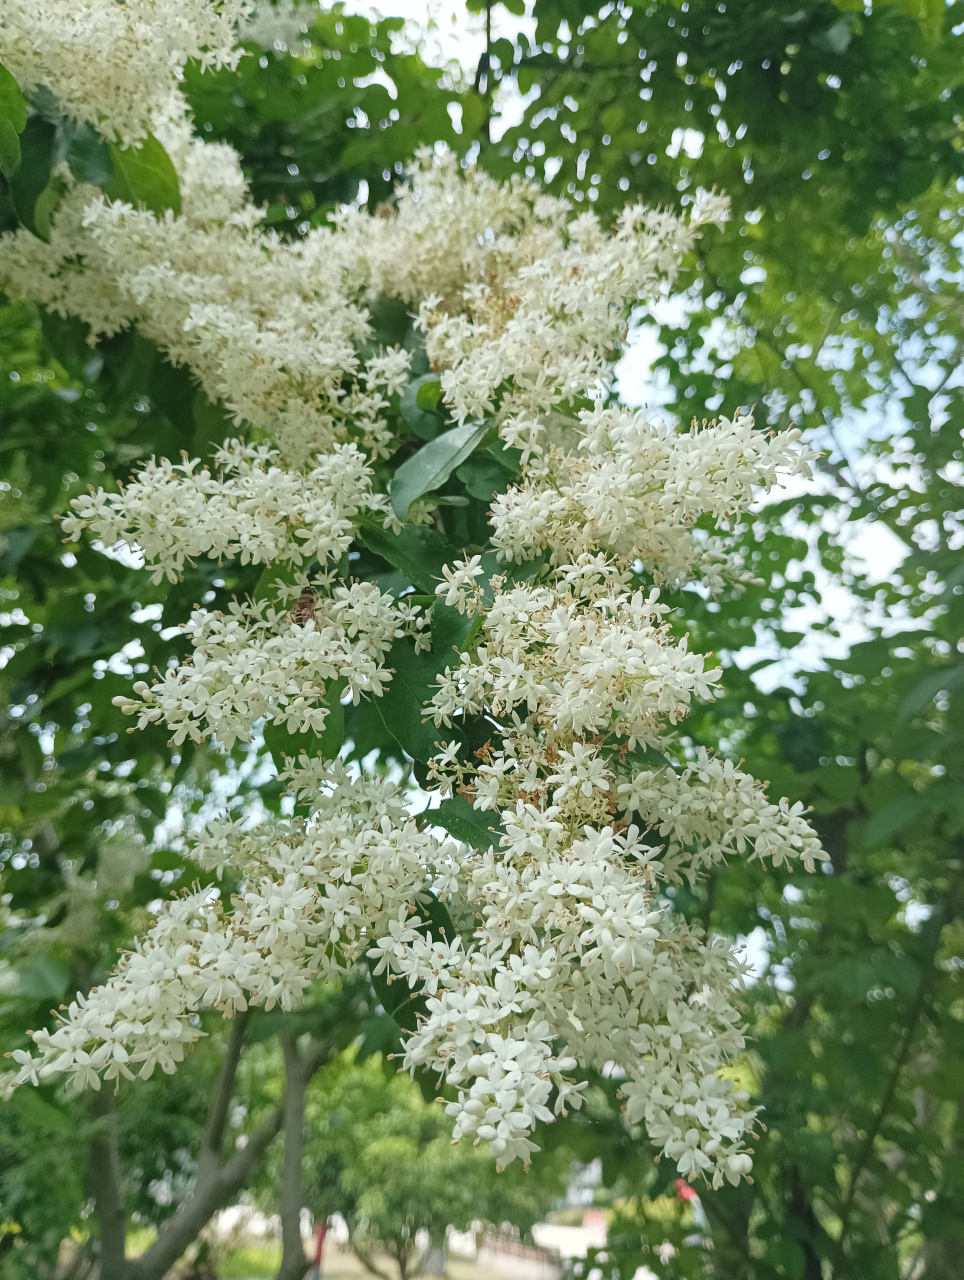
x: 294, y: 1263
x: 300, y: 1066
x: 106, y: 1187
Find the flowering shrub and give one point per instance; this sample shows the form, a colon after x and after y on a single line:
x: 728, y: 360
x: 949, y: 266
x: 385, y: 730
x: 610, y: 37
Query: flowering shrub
x: 521, y: 532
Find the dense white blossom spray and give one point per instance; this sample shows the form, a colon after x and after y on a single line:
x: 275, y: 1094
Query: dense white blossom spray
x: 527, y: 663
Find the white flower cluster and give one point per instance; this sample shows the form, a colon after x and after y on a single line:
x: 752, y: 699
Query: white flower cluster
x: 637, y: 488
x: 520, y: 303
x: 309, y: 900
x: 113, y: 64
x: 581, y: 654
x: 561, y: 950
x: 253, y: 509
x: 257, y: 662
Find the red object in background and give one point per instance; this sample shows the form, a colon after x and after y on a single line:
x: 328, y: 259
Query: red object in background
x: 320, y: 1232
x: 683, y: 1189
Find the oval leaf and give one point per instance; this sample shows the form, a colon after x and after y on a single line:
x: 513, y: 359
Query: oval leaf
x: 144, y: 176
x: 417, y: 405
x: 33, y: 175
x: 9, y: 148
x: 429, y: 469
x: 471, y: 826
x: 88, y: 155
x: 12, y: 105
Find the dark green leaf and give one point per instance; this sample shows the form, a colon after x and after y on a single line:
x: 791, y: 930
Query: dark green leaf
x: 450, y: 631
x: 419, y: 551
x: 212, y: 426
x: 472, y: 826
x: 33, y: 175
x: 9, y: 148
x: 429, y: 469
x: 436, y: 915
x: 173, y: 390
x: 46, y: 206
x: 400, y: 1003
x: 145, y: 177
x: 274, y: 578
x: 407, y: 697
x: 329, y: 742
x: 16, y: 543
x: 417, y: 404
x: 88, y: 155
x: 12, y: 106
x: 484, y: 477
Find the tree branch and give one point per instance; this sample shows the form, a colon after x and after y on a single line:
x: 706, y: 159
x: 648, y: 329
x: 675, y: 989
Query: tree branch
x: 213, y: 1141
x: 209, y: 1196
x: 366, y: 1261
x: 104, y: 1172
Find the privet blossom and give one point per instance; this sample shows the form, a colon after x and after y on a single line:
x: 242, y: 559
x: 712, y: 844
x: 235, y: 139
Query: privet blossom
x: 563, y: 952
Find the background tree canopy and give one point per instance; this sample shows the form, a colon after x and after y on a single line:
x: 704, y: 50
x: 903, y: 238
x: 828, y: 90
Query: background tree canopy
x: 830, y: 301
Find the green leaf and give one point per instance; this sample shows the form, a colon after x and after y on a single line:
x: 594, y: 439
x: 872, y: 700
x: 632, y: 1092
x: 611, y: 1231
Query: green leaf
x: 400, y: 1003
x: 66, y: 339
x: 920, y: 697
x: 892, y: 819
x: 88, y: 155
x: 212, y: 426
x: 67, y: 685
x: 436, y: 915
x: 484, y: 477
x: 450, y: 631
x: 429, y: 393
x: 45, y: 206
x: 406, y: 698
x: 472, y: 826
x: 33, y: 175
x: 16, y: 544
x: 144, y: 176
x: 419, y: 551
x: 417, y: 405
x: 645, y: 758
x: 429, y: 469
x: 514, y: 574
x: 266, y: 587
x: 509, y: 459
x: 9, y: 148
x: 12, y: 106
x: 172, y: 389
x: 44, y: 978
x: 38, y: 1113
